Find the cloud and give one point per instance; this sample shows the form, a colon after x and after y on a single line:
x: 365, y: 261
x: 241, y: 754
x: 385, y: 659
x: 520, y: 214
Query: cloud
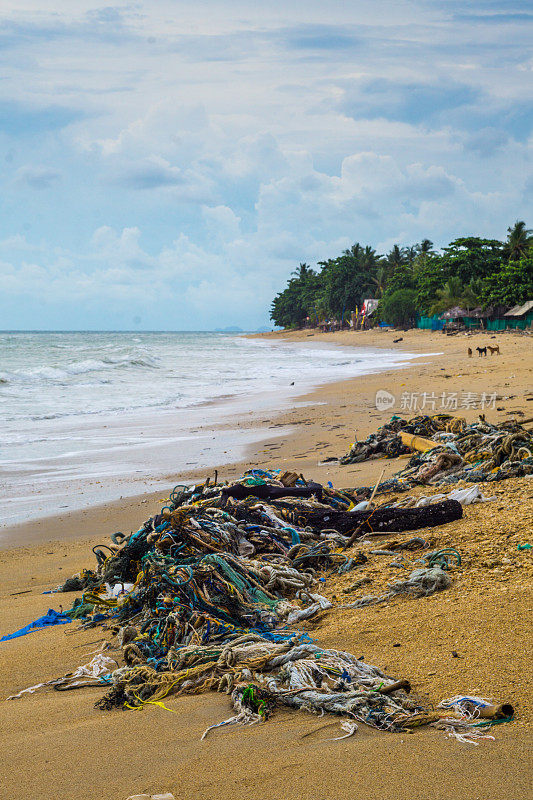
x: 154, y: 173
x: 486, y: 141
x: 320, y: 37
x: 38, y: 177
x: 120, y: 249
x: 409, y: 102
x: 222, y: 224
x: 18, y: 119
x: 106, y: 24
x: 510, y: 118
x: 195, y: 159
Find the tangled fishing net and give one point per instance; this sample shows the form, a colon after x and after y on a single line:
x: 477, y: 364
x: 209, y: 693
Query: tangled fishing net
x: 204, y: 596
x: 478, y: 452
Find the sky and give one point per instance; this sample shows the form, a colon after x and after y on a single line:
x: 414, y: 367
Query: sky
x: 167, y: 164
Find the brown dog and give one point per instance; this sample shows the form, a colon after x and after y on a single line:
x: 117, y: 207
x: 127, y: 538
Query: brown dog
x: 494, y: 350
x: 469, y: 352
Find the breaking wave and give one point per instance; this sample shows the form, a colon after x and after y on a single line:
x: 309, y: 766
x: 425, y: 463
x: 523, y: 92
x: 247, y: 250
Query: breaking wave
x: 65, y: 372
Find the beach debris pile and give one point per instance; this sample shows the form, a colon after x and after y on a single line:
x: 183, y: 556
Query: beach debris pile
x: 206, y: 594
x: 448, y: 450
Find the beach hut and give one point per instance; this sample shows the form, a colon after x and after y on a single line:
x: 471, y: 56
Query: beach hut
x: 458, y: 317
x: 477, y: 318
x: 516, y: 318
x: 520, y: 317
x: 454, y: 318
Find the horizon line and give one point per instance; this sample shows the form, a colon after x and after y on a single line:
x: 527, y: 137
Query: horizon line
x: 127, y: 330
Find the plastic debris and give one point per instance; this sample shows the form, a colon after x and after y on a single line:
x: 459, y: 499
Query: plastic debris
x: 48, y: 620
x: 466, y: 497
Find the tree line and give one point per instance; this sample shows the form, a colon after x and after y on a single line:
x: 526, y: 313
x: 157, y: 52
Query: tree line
x: 411, y: 281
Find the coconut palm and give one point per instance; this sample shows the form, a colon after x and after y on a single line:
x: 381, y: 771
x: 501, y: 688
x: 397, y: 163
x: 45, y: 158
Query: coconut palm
x: 519, y: 241
x: 411, y: 253
x: 472, y: 293
x: 380, y: 281
x: 303, y: 272
x: 452, y: 294
x: 396, y: 257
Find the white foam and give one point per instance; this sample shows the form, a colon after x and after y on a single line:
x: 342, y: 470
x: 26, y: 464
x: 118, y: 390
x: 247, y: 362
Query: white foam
x: 77, y: 405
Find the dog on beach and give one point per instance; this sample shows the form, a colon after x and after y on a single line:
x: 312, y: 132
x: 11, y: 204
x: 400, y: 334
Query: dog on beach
x: 495, y: 349
x: 469, y: 352
x: 482, y: 351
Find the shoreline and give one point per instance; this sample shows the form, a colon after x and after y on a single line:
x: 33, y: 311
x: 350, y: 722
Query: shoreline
x: 348, y: 403
x: 139, y: 453
x: 230, y: 424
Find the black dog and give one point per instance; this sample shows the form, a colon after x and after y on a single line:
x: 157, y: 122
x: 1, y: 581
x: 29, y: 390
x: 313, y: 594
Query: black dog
x: 482, y: 351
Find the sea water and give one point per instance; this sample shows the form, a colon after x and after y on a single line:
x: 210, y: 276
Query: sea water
x: 86, y: 417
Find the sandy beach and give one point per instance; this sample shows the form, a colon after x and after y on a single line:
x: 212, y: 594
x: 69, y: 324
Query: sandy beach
x: 59, y: 745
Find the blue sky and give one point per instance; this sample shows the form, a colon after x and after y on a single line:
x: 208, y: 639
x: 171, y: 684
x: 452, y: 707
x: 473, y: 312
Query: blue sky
x: 166, y: 164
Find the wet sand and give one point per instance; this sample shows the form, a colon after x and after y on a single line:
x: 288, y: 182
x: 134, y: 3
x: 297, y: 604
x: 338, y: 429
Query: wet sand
x: 59, y: 745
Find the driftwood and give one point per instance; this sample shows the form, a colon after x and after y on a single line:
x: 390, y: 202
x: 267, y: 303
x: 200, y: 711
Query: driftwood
x: 268, y: 491
x: 383, y: 519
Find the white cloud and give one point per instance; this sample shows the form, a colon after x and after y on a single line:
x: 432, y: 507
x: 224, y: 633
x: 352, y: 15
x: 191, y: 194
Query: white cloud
x: 38, y: 177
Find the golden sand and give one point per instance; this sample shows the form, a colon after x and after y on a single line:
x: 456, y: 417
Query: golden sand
x: 58, y: 745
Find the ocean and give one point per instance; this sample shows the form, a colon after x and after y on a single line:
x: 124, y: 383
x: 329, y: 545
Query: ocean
x: 88, y: 417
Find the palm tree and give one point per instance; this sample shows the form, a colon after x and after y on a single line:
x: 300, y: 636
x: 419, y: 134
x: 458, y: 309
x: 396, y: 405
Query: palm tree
x: 380, y: 281
x: 303, y: 272
x: 410, y: 254
x: 354, y: 251
x: 396, y: 257
x: 370, y: 256
x: 452, y: 294
x: 519, y: 241
x: 472, y: 293
x: 425, y: 246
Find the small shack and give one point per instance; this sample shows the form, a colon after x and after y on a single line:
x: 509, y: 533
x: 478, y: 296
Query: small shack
x: 477, y: 317
x: 470, y: 319
x: 454, y: 318
x: 519, y: 317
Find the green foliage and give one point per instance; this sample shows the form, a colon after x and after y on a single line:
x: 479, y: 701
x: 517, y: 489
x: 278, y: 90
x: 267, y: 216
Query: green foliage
x: 431, y: 274
x: 511, y: 285
x: 291, y: 307
x: 401, y: 278
x: 469, y: 272
x: 519, y: 241
x: 399, y: 307
x: 455, y: 293
x: 471, y: 257
x: 346, y: 280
